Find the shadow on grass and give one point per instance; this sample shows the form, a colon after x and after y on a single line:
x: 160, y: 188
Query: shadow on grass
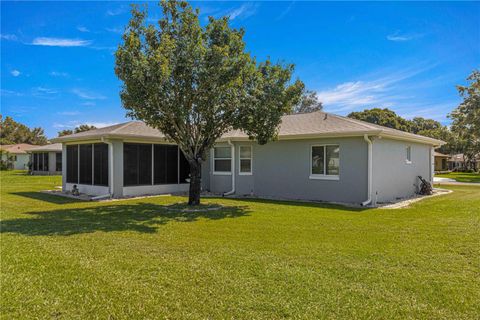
x: 299, y: 203
x: 46, y: 197
x: 141, y: 217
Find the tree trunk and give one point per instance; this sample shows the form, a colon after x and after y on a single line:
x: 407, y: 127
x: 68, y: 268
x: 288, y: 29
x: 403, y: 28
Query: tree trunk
x: 195, y: 183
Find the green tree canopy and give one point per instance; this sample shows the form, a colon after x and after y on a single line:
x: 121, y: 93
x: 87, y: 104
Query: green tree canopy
x: 195, y: 83
x: 308, y: 103
x: 383, y: 117
x: 466, y: 118
x: 80, y: 128
x: 12, y: 132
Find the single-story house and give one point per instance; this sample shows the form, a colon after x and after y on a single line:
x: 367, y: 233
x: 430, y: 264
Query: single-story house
x: 457, y: 162
x: 317, y: 156
x: 46, y: 160
x: 19, y: 154
x: 441, y: 161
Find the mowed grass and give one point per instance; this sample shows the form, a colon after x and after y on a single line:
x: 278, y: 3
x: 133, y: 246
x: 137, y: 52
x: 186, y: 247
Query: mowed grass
x: 254, y: 259
x: 461, y: 176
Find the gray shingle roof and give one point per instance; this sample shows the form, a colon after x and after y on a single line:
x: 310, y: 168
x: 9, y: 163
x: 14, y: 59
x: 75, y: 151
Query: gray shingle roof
x: 296, y: 126
x: 57, y: 147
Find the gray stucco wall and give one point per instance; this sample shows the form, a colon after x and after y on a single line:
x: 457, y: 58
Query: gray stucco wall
x: 281, y: 169
x: 393, y: 177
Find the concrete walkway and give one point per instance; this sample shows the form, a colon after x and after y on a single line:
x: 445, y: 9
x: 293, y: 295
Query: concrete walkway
x: 448, y: 181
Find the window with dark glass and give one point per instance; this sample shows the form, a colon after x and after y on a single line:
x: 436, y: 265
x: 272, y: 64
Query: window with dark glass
x: 165, y: 166
x: 72, y: 164
x: 85, y: 164
x: 58, y: 161
x: 35, y: 162
x: 137, y: 164
x: 40, y: 162
x: 100, y: 164
x: 325, y: 161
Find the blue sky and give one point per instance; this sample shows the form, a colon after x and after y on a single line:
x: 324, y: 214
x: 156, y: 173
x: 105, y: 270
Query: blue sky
x: 57, y: 57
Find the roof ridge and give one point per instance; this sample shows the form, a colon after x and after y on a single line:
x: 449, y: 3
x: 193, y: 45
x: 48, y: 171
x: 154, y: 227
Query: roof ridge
x: 122, y: 126
x: 356, y: 121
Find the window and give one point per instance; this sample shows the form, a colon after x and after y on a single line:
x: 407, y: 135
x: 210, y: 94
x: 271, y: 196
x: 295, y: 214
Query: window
x: 184, y: 173
x: 40, y: 162
x: 15, y: 158
x: 35, y: 162
x: 222, y: 160
x: 45, y: 161
x: 325, y: 162
x: 86, y: 165
x: 245, y: 156
x: 58, y: 161
x: 409, y: 155
x: 100, y: 164
x: 137, y: 164
x: 72, y: 164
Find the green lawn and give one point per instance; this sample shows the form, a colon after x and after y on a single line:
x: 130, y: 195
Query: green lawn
x: 461, y: 176
x: 136, y: 259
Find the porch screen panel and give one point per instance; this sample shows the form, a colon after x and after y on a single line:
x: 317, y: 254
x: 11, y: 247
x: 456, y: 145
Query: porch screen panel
x: 100, y: 164
x: 35, y: 162
x: 137, y: 164
x: 165, y: 164
x: 184, y: 168
x: 85, y: 164
x: 58, y: 161
x: 40, y: 162
x: 72, y: 164
x: 45, y: 161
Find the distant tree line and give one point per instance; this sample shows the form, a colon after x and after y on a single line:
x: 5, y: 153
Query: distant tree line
x: 462, y: 137
x: 80, y: 128
x: 12, y: 132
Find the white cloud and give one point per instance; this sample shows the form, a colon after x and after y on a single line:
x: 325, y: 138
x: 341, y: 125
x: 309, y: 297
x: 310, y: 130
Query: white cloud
x: 87, y: 94
x: 68, y: 113
x: 118, y: 30
x: 89, y: 104
x: 82, y: 29
x: 43, y: 92
x: 4, y: 92
x: 398, y: 37
x: 58, y: 74
x: 286, y: 11
x: 15, y: 73
x: 117, y: 11
x: 10, y: 37
x: 244, y: 11
x: 60, y: 42
x: 76, y: 123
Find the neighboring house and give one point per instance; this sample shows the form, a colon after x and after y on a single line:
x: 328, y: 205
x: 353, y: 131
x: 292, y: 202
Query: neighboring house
x: 441, y: 161
x: 317, y: 156
x: 457, y: 162
x: 47, y: 159
x: 19, y: 154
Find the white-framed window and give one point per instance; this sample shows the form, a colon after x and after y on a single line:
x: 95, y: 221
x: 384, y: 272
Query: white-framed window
x: 222, y: 160
x: 325, y: 162
x: 245, y: 157
x: 408, y: 155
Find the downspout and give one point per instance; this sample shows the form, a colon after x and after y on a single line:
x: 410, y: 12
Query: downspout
x: 233, y: 170
x: 110, y: 166
x: 369, y: 174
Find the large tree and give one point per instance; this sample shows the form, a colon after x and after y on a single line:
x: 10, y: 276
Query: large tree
x: 384, y: 117
x: 466, y: 118
x: 196, y: 83
x: 80, y: 128
x: 12, y: 132
x: 308, y: 103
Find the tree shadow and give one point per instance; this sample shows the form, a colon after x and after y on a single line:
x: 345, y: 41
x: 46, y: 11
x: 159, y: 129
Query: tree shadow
x: 52, y: 198
x: 141, y: 217
x: 299, y: 203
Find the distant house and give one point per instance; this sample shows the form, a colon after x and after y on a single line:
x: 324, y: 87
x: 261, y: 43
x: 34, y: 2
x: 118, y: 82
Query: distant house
x: 457, y: 162
x: 441, y: 161
x: 19, y: 153
x: 47, y: 159
x: 318, y: 156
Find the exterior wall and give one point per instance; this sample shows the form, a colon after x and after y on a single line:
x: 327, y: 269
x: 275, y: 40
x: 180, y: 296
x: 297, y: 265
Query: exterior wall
x: 22, y: 162
x: 441, y: 164
x: 155, y: 189
x: 393, y: 177
x: 88, y: 189
x: 281, y: 169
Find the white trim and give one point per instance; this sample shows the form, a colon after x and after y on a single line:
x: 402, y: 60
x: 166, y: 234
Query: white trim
x: 408, y: 150
x: 247, y: 173
x: 222, y: 173
x: 324, y: 176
